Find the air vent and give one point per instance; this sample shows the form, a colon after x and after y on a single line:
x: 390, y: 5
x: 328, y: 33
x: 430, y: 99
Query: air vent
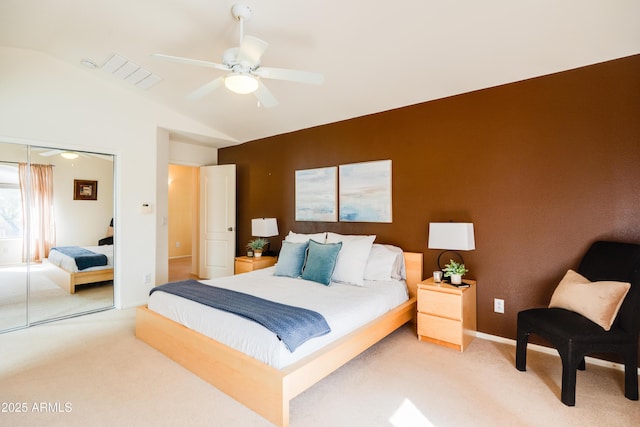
x: 120, y: 67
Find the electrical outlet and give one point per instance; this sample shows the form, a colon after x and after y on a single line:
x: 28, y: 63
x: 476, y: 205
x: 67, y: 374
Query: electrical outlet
x: 147, y: 278
x: 177, y: 244
x: 498, y: 305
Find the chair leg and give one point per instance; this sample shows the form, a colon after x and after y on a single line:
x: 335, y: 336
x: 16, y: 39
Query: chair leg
x: 521, y: 350
x: 631, y: 373
x: 631, y: 382
x: 569, y: 373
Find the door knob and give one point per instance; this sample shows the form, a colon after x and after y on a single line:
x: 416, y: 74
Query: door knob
x: 230, y: 229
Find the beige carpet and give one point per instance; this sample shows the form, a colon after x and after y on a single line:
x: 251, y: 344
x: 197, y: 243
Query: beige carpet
x: 47, y: 299
x: 106, y: 377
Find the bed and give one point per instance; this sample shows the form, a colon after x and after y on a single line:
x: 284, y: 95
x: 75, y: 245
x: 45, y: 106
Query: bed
x: 62, y: 269
x: 260, y: 383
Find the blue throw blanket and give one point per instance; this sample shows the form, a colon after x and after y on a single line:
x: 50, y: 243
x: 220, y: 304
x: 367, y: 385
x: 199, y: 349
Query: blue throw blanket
x: 292, y: 325
x: 84, y: 257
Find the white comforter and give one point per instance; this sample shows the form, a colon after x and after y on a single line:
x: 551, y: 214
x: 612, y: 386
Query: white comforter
x: 69, y: 264
x: 344, y: 307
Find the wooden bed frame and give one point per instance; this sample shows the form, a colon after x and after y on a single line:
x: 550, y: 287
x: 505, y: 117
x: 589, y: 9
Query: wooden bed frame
x: 260, y: 387
x: 68, y: 280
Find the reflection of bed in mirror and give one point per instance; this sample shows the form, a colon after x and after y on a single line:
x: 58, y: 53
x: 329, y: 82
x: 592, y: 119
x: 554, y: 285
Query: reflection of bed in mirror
x: 64, y: 271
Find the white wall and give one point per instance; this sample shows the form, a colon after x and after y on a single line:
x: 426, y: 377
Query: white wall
x: 162, y: 234
x: 47, y: 102
x: 81, y: 222
x: 185, y: 154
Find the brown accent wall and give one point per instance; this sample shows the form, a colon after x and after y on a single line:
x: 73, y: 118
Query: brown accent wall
x: 542, y: 167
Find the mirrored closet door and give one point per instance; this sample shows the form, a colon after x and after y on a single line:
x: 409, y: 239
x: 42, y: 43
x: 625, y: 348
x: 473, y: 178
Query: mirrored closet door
x: 13, y: 270
x: 56, y: 234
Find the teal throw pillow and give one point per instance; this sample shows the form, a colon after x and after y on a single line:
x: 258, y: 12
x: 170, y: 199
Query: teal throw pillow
x: 320, y: 261
x: 291, y: 259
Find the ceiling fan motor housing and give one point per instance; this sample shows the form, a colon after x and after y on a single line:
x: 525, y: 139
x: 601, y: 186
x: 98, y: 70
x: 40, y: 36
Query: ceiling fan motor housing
x: 229, y: 56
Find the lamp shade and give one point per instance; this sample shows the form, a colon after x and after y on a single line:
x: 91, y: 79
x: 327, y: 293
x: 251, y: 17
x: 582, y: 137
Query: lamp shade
x: 264, y: 227
x: 453, y: 236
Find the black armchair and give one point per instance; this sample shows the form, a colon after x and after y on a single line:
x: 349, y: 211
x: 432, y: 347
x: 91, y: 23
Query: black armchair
x: 575, y: 336
x: 109, y: 239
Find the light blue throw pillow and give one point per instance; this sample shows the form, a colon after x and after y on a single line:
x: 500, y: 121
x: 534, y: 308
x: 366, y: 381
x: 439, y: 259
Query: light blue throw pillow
x: 291, y: 259
x: 320, y: 261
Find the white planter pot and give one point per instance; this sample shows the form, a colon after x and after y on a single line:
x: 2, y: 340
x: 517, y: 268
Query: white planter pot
x: 456, y: 279
x: 257, y: 254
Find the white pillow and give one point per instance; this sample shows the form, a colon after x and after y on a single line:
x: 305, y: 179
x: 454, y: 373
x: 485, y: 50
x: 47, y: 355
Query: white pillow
x: 399, y: 271
x: 352, y: 258
x: 385, y: 262
x: 303, y: 238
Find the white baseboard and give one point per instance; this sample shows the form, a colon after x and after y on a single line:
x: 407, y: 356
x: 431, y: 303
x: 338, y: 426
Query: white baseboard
x: 551, y: 351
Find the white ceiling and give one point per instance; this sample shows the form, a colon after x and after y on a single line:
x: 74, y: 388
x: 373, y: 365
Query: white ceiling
x: 374, y: 56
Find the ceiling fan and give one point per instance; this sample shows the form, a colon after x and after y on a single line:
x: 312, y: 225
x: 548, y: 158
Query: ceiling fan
x: 71, y: 154
x: 67, y: 154
x: 244, y: 70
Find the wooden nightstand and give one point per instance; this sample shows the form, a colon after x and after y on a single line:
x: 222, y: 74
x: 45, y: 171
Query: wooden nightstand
x: 446, y: 314
x: 244, y: 264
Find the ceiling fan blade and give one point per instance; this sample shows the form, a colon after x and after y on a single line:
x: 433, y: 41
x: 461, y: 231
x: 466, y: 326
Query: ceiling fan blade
x: 50, y: 153
x: 265, y: 96
x: 106, y: 157
x: 289, y: 75
x: 191, y: 61
x: 251, y: 50
x: 209, y: 87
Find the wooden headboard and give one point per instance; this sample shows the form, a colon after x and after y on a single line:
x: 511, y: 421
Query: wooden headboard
x: 413, y: 265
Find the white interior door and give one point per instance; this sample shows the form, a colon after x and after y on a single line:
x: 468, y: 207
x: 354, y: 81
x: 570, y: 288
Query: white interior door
x: 217, y: 220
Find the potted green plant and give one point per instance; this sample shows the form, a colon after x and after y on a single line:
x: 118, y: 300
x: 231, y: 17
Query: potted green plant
x: 455, y: 271
x: 257, y: 245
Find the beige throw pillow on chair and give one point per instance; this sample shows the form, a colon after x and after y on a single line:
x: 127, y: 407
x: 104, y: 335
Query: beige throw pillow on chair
x: 597, y: 301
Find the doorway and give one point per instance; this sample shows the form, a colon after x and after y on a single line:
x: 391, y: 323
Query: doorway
x: 202, y: 213
x: 183, y: 222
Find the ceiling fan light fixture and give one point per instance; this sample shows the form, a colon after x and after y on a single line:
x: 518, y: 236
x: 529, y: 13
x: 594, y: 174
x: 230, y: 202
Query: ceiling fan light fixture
x: 69, y: 155
x: 241, y: 83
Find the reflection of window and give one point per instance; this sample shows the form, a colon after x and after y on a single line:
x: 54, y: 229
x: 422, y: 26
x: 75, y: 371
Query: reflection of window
x: 10, y: 204
x: 10, y: 218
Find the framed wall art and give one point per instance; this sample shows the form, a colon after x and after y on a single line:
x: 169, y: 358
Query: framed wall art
x: 365, y: 192
x: 315, y: 193
x: 85, y: 190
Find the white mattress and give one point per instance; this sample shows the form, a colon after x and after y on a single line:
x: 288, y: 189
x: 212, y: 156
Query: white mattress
x: 69, y: 264
x: 344, y: 307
